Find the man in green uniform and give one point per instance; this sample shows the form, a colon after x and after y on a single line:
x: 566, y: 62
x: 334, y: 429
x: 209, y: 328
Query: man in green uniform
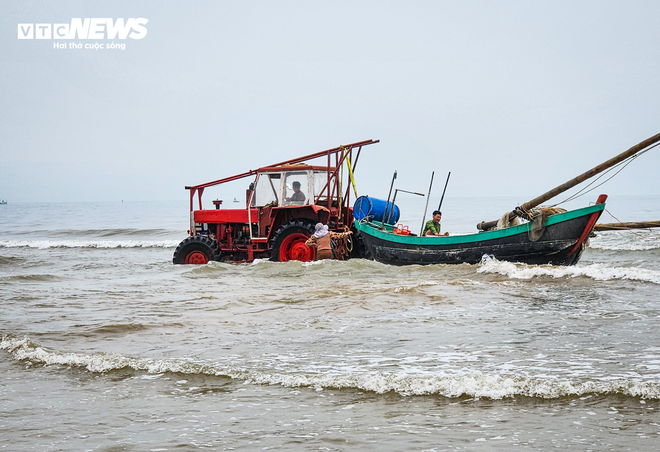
x: 432, y: 227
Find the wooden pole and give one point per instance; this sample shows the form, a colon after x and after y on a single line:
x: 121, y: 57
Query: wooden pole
x: 624, y: 226
x: 387, y: 204
x: 443, y: 191
x: 486, y: 225
x: 389, y: 217
x: 427, y: 204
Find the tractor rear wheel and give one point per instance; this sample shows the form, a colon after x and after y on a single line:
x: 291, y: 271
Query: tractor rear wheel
x: 196, y: 250
x: 288, y: 243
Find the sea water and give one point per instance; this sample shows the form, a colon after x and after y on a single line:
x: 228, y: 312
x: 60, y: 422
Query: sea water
x: 107, y: 346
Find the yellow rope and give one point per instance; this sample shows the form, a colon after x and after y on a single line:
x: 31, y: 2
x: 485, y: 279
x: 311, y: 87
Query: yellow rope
x: 350, y: 173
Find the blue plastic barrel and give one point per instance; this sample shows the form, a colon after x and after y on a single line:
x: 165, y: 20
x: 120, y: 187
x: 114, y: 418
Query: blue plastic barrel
x: 373, y: 209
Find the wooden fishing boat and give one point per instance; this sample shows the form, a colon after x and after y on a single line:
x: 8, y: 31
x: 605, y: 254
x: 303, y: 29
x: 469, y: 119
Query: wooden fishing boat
x: 561, y: 242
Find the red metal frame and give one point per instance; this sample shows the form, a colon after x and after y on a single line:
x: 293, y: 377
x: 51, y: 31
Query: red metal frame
x: 345, y: 150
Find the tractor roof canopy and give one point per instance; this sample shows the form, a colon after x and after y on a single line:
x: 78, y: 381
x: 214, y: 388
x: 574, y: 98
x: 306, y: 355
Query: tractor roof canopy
x: 321, y: 182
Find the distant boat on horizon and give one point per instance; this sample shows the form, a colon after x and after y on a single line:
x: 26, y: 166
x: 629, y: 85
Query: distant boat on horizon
x: 2, y: 201
x: 235, y: 200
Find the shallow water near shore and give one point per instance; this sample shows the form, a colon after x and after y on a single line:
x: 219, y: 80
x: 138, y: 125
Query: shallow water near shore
x: 108, y: 346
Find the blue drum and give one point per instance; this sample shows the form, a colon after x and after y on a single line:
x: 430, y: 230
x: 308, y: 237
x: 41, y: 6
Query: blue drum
x: 373, y: 210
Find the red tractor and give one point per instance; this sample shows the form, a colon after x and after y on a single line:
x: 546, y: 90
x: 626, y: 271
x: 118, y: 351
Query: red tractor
x: 285, y: 201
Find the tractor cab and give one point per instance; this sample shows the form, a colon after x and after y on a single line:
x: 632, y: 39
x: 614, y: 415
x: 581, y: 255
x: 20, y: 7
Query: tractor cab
x: 296, y: 187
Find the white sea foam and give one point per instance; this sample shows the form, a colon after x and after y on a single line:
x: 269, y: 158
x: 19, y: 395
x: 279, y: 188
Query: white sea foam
x: 47, y: 244
x: 626, y: 241
x: 599, y: 272
x: 471, y: 384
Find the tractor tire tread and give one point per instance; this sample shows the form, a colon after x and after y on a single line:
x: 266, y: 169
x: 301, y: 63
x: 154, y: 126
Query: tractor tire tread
x: 196, y: 243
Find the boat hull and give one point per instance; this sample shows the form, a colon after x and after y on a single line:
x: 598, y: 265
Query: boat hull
x: 561, y: 243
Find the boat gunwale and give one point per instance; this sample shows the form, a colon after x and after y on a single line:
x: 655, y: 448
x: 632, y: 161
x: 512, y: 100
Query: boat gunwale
x: 373, y: 229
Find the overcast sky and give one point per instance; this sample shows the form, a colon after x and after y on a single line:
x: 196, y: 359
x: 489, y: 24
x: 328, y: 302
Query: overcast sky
x: 513, y: 97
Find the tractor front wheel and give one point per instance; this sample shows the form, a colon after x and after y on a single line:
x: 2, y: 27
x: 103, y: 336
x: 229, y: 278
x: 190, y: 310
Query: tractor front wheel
x: 288, y: 243
x: 196, y: 250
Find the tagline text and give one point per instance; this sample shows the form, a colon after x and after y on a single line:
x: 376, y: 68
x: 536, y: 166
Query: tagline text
x: 88, y: 46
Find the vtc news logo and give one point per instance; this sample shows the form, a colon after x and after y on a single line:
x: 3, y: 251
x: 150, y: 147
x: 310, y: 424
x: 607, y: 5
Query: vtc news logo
x: 89, y: 28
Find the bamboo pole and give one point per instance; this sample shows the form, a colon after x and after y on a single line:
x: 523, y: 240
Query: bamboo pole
x: 486, y: 225
x: 387, y: 205
x: 624, y: 226
x: 444, y: 191
x: 427, y: 204
x: 389, y: 217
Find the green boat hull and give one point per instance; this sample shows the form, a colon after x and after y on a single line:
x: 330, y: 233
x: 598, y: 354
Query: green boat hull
x: 561, y: 243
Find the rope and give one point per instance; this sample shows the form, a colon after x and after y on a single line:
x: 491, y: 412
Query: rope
x: 349, y: 240
x: 341, y: 247
x: 582, y: 192
x: 625, y: 163
x: 624, y: 227
x: 350, y: 174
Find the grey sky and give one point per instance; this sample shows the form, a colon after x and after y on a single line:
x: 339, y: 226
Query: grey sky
x: 513, y: 97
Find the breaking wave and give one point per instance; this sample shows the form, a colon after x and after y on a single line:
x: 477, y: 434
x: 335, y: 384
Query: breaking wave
x: 47, y: 244
x: 598, y: 272
x: 104, y: 232
x: 471, y: 384
x: 626, y: 241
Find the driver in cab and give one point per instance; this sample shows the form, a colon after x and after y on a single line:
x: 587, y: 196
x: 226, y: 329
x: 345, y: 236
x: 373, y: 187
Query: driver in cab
x: 298, y: 197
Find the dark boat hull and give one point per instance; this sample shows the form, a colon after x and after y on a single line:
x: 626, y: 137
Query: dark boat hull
x: 561, y: 243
